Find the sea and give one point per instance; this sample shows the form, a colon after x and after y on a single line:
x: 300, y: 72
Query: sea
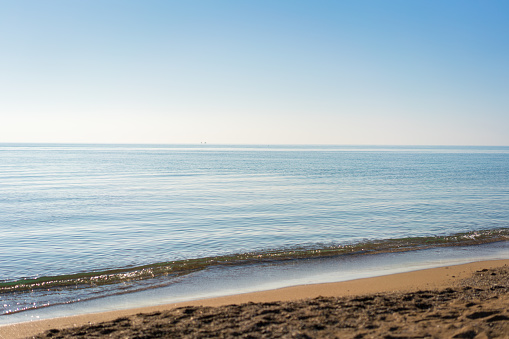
x: 84, y: 227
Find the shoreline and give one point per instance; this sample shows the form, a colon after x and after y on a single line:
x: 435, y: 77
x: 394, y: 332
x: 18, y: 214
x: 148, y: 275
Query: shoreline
x: 425, y: 279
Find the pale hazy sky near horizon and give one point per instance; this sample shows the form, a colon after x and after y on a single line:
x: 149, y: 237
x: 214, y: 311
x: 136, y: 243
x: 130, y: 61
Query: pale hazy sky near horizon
x: 255, y: 72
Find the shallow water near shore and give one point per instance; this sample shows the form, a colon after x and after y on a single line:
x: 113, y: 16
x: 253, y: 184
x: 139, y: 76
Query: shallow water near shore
x: 227, y: 280
x: 82, y: 222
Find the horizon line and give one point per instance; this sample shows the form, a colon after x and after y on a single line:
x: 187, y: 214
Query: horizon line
x: 246, y: 144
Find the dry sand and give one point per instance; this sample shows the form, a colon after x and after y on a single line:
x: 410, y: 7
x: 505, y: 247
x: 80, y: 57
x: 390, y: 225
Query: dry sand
x: 464, y: 301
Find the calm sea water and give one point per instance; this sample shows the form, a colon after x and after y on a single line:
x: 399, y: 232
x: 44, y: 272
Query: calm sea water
x: 78, y: 209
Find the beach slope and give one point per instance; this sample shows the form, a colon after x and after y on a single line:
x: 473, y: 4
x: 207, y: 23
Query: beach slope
x: 464, y: 301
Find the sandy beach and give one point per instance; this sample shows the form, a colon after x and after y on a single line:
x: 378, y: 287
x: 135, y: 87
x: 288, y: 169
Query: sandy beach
x: 463, y: 301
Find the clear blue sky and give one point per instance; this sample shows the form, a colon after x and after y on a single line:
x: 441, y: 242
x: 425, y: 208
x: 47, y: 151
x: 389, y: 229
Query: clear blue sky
x: 255, y: 72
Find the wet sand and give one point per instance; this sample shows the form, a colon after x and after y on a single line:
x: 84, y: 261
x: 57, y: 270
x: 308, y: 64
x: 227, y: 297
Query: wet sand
x: 464, y: 301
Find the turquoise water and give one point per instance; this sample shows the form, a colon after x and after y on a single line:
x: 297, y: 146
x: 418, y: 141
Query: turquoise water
x: 82, y: 221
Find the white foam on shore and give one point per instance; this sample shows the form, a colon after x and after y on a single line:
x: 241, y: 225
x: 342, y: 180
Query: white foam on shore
x: 223, y: 280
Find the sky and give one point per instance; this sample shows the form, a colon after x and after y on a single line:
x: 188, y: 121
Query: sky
x: 421, y: 72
